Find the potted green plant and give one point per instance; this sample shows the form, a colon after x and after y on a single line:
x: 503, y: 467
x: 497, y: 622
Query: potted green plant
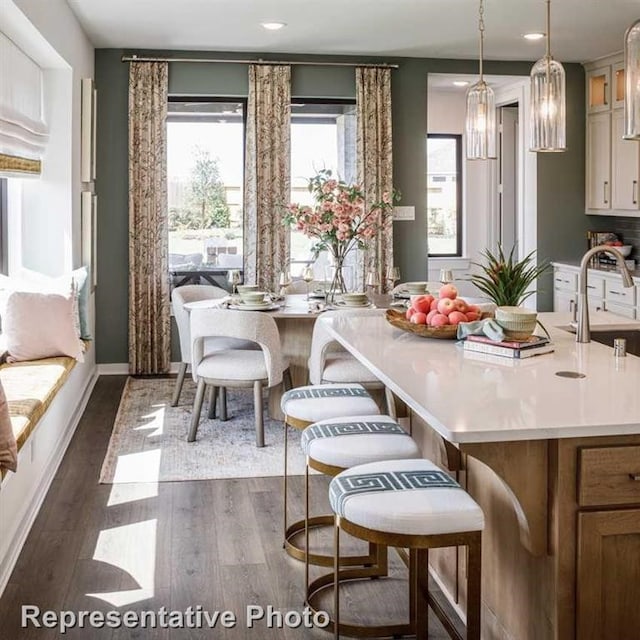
x: 506, y: 280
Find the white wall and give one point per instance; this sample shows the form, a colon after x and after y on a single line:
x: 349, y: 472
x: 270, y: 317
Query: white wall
x: 50, y: 239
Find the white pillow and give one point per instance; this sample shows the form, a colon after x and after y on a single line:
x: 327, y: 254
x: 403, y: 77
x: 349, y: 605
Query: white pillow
x: 75, y: 282
x: 40, y: 325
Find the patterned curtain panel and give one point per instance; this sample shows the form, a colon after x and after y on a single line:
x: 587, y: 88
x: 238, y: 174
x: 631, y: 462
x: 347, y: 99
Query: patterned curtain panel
x: 267, y: 179
x: 149, y: 319
x: 375, y: 163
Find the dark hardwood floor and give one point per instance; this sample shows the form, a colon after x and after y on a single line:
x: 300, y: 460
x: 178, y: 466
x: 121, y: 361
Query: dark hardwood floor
x: 142, y: 547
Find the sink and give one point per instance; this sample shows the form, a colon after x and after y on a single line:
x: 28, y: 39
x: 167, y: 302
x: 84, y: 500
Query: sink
x: 607, y: 336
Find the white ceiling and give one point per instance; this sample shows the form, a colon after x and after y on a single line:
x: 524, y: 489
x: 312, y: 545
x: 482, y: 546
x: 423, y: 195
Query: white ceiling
x: 581, y: 30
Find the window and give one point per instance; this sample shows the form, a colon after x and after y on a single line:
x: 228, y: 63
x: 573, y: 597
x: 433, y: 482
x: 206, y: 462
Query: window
x: 444, y: 194
x: 323, y: 136
x: 205, y: 147
x: 4, y: 239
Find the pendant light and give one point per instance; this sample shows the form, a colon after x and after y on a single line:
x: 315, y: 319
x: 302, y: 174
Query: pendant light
x: 548, y: 101
x: 480, y: 122
x: 632, y: 82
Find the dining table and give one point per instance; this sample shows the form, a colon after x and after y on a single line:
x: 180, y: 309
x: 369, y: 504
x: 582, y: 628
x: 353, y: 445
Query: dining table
x: 295, y: 316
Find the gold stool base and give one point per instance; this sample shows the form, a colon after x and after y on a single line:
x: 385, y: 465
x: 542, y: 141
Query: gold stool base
x: 327, y: 581
x: 320, y: 559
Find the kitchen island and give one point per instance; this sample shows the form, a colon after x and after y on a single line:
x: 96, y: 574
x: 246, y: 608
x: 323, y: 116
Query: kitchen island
x: 554, y: 461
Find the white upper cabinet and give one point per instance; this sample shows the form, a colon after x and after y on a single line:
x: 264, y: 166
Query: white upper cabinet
x: 617, y: 86
x: 625, y: 166
x: 612, y: 163
x: 599, y: 161
x: 599, y: 89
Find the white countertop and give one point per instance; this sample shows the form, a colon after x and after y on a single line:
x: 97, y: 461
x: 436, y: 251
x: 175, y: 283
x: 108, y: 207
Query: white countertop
x: 470, y: 397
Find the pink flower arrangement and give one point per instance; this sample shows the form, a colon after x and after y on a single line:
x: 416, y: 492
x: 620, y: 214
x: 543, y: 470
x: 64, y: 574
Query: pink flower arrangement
x: 338, y: 221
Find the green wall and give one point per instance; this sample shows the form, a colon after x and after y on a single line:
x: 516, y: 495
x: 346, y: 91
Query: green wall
x: 561, y: 219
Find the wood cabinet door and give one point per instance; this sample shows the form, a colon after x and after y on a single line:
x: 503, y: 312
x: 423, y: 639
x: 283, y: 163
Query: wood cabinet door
x: 599, y: 161
x: 625, y: 166
x: 608, y: 586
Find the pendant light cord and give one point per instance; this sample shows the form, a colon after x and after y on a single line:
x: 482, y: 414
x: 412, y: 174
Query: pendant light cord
x: 481, y: 29
x: 548, y: 28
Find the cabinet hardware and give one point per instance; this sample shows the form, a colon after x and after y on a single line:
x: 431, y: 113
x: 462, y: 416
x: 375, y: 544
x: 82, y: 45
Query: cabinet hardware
x: 615, y: 293
x: 606, y: 88
x: 605, y: 197
x: 635, y: 477
x: 635, y: 192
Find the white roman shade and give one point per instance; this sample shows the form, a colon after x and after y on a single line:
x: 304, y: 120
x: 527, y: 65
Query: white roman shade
x: 23, y: 131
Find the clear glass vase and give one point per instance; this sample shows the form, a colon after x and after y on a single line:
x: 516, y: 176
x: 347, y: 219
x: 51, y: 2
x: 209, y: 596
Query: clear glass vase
x: 339, y: 278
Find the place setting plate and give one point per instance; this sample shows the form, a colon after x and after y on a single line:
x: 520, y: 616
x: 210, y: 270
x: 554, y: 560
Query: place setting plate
x: 352, y: 305
x: 255, y: 306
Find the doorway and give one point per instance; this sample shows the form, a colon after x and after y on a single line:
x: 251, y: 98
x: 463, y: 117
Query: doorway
x: 507, y: 218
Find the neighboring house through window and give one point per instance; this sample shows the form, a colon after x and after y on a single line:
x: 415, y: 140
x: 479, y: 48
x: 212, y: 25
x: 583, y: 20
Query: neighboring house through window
x: 444, y: 194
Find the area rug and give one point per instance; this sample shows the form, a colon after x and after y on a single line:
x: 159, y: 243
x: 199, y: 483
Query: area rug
x: 149, y: 439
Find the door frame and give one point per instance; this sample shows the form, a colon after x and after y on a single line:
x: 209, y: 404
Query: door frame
x: 527, y: 177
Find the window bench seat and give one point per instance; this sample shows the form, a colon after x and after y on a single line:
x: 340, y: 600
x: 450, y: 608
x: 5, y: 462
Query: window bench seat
x: 46, y: 399
x: 30, y: 388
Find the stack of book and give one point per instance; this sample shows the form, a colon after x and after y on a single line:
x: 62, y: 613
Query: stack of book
x: 534, y: 346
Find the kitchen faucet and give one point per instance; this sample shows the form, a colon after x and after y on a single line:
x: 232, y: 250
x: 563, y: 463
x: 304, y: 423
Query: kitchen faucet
x: 583, y: 334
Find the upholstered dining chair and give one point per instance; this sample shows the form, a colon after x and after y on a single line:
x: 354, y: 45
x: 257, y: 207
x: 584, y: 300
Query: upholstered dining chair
x: 329, y: 362
x: 264, y: 367
x: 194, y: 293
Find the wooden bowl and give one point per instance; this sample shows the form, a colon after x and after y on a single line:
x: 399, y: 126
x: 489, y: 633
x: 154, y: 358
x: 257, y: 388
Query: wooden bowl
x: 398, y: 320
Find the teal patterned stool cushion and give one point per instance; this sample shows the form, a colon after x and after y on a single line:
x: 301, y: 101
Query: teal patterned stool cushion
x: 412, y: 497
x: 347, y: 442
x: 325, y: 401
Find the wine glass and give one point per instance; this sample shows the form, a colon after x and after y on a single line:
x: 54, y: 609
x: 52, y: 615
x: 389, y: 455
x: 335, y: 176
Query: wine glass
x: 446, y: 276
x: 284, y: 280
x: 372, y: 281
x: 393, y: 275
x: 307, y: 276
x: 234, y: 279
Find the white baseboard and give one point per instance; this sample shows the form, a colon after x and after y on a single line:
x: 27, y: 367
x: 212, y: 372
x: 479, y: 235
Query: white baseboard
x: 122, y: 368
x: 7, y: 563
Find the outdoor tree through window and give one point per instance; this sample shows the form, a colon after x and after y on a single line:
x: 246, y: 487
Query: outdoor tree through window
x: 205, y: 170
x: 323, y: 136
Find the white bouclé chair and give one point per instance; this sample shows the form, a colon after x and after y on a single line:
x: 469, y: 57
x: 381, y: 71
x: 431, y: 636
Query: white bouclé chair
x: 233, y: 367
x: 179, y: 297
x: 329, y: 362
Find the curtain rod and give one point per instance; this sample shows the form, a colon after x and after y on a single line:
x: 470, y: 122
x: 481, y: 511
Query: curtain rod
x: 134, y: 58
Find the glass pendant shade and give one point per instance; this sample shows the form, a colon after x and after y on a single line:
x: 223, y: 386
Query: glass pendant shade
x: 480, y: 122
x: 548, y: 106
x: 632, y: 82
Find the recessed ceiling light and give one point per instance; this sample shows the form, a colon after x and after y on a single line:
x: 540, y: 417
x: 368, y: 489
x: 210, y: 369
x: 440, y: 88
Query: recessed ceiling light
x: 460, y: 83
x: 533, y: 36
x: 273, y: 26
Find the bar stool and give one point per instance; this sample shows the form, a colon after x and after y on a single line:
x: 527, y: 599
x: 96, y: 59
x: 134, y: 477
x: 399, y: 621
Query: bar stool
x: 333, y: 445
x: 412, y: 504
x: 303, y: 406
